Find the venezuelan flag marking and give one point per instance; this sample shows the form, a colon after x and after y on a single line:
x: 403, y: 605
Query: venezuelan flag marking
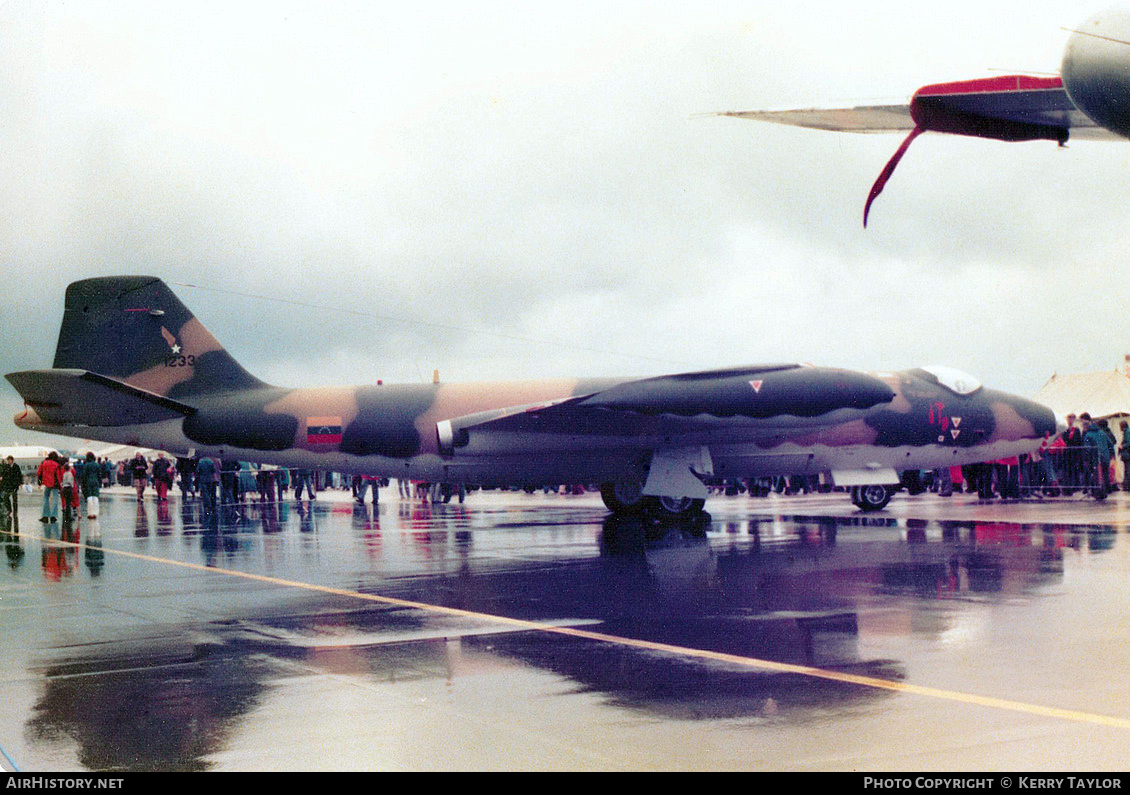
x: 323, y: 430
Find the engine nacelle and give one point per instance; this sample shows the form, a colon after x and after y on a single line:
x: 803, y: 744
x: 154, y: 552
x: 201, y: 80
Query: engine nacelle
x: 1096, y: 69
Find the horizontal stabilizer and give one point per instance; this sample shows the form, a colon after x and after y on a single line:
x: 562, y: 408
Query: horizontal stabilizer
x: 80, y: 397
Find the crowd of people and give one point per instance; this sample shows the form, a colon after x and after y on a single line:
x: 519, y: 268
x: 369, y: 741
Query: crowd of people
x: 65, y: 483
x: 225, y: 482
x: 217, y: 483
x: 1082, y: 456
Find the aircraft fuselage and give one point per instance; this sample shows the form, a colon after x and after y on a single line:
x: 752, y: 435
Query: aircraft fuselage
x: 397, y: 431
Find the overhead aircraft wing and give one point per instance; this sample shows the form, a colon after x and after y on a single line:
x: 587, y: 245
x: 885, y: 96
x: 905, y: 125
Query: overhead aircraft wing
x: 863, y: 119
x: 1006, y: 108
x: 768, y: 392
x: 982, y: 108
x: 80, y: 397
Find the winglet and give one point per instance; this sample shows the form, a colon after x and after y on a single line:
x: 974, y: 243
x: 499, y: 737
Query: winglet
x: 889, y: 169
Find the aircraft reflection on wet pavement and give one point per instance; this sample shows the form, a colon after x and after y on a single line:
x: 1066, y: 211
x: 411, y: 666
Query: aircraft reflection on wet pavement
x: 789, y: 589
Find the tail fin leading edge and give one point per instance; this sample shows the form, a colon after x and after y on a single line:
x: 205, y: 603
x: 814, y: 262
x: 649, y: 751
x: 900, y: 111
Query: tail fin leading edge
x: 134, y: 329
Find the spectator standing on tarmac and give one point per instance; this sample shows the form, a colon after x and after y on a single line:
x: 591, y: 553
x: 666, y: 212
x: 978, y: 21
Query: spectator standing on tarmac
x: 91, y: 484
x: 268, y: 484
x: 1124, y: 454
x: 229, y: 482
x: 66, y: 488
x: 1104, y: 425
x: 1043, y: 473
x: 1074, y: 467
x: 206, y: 482
x: 1099, y: 454
x: 365, y: 482
x: 48, y: 476
x: 1073, y: 434
x: 11, y: 478
x: 186, y: 469
x: 139, y: 468
x: 302, y: 478
x: 162, y: 477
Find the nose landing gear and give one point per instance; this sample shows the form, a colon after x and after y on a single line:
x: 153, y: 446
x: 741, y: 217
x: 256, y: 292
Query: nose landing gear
x: 871, y: 498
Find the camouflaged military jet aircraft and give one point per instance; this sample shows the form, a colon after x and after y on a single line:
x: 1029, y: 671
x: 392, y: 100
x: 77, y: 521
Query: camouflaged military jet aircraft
x: 134, y: 366
x: 1089, y: 100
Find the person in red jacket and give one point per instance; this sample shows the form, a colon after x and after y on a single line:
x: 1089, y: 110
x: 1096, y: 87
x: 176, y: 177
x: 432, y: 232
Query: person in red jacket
x: 48, y: 475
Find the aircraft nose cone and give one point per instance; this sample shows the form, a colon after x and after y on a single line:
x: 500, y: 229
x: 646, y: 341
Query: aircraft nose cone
x: 1048, y: 423
x: 1042, y: 420
x: 1019, y: 419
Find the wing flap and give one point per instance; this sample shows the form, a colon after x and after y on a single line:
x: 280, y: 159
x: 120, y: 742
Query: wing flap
x: 80, y: 397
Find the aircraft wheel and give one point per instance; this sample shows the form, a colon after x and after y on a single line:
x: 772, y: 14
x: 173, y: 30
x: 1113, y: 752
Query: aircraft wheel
x: 674, y: 507
x: 623, y: 498
x: 871, y: 498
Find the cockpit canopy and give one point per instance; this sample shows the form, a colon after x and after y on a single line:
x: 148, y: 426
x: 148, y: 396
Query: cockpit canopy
x: 954, y: 380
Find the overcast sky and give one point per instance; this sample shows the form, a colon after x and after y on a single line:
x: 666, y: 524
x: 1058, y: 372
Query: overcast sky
x: 511, y: 190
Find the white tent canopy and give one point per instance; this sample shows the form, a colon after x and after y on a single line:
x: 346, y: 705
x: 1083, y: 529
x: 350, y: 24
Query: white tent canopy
x: 1102, y: 394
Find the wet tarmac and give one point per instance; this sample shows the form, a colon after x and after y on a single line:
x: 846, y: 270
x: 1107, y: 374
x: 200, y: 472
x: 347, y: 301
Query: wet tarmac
x: 531, y: 632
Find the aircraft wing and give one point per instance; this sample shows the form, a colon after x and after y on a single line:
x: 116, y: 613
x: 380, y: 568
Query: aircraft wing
x: 792, y: 394
x: 1006, y: 108
x: 80, y: 397
x: 985, y: 108
x: 863, y: 119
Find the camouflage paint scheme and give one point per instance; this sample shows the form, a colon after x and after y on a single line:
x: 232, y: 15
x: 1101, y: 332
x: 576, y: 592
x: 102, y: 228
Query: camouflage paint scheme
x: 134, y: 366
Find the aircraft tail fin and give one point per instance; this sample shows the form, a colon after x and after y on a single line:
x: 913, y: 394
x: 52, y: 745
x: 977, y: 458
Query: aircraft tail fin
x: 134, y: 329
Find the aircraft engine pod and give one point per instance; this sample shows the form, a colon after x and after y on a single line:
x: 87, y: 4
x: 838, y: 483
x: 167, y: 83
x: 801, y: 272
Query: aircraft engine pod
x: 1096, y: 69
x: 448, y: 438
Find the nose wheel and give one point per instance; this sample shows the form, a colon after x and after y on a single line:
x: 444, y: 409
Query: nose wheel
x: 871, y: 498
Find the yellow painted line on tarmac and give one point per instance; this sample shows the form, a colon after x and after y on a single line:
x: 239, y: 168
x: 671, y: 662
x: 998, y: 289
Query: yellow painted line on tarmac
x: 646, y: 645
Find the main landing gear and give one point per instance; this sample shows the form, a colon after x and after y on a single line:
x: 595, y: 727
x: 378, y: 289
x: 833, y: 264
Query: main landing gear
x: 628, y: 499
